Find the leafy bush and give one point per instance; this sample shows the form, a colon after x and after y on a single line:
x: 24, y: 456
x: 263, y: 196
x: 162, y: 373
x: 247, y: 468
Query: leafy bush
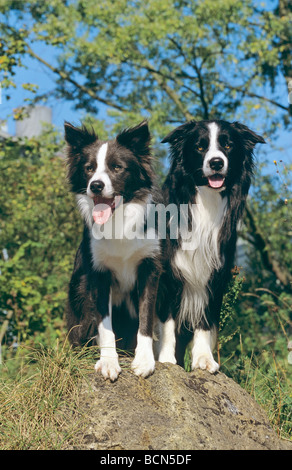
x: 39, y: 233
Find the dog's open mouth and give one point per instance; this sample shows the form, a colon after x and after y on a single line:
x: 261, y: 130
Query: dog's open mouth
x: 104, y: 208
x: 216, y: 181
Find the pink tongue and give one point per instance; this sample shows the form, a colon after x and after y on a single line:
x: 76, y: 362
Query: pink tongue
x: 216, y: 181
x: 101, y: 213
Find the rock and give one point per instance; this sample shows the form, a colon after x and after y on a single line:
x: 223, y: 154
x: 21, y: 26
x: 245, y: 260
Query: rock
x: 173, y: 410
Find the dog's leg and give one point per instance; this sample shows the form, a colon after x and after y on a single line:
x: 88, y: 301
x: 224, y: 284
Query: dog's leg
x: 148, y: 276
x: 108, y: 364
x: 203, y: 344
x: 143, y: 363
x: 167, y: 341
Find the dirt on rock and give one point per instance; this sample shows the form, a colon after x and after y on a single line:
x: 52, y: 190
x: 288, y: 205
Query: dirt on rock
x: 173, y: 410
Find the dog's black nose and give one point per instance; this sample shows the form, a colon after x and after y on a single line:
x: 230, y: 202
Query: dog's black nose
x: 97, y: 186
x: 216, y: 163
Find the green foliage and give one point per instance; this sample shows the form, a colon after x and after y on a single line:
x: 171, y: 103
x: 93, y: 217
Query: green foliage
x: 168, y: 61
x: 253, y: 340
x: 270, y: 206
x: 268, y: 379
x: 39, y: 231
x: 165, y: 59
x: 228, y: 311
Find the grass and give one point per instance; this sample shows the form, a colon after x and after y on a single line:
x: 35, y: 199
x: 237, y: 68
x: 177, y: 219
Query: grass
x: 39, y: 407
x: 39, y: 404
x: 269, y: 382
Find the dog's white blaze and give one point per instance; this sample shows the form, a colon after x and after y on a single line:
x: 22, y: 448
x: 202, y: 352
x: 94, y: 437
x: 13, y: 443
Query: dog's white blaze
x: 100, y: 158
x: 213, y: 150
x: 101, y: 172
x: 197, y: 258
x: 143, y: 363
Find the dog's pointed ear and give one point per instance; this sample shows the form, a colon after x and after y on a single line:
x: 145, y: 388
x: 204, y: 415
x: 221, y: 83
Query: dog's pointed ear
x: 179, y: 133
x: 136, y: 138
x: 78, y: 136
x: 249, y: 137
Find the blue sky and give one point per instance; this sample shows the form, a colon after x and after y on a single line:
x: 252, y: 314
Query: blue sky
x: 62, y: 110
x: 38, y: 74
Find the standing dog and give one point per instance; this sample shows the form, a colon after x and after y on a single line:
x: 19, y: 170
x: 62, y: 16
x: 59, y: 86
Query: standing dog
x: 210, y: 174
x: 114, y: 282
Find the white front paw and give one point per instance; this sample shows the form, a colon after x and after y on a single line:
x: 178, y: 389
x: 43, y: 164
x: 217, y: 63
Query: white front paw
x: 109, y: 367
x: 205, y: 362
x: 167, y: 356
x: 143, y: 364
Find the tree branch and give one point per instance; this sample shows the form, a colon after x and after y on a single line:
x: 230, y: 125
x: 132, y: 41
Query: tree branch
x: 168, y: 90
x: 200, y: 79
x: 227, y: 85
x: 254, y: 95
x: 69, y: 79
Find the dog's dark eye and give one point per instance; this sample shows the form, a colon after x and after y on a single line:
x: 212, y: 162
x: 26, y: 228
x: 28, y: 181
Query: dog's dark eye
x: 89, y: 168
x: 117, y: 167
x: 200, y: 149
x: 227, y: 146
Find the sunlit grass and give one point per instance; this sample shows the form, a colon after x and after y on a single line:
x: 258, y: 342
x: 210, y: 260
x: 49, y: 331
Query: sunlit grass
x: 40, y: 404
x: 269, y: 382
x: 39, y: 408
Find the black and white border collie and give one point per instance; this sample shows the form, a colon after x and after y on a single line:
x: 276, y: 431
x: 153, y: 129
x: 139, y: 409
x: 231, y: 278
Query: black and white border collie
x: 113, y: 287
x: 211, y: 170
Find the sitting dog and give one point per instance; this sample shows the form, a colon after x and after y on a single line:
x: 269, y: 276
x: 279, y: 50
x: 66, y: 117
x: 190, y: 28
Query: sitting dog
x: 210, y: 175
x: 113, y: 287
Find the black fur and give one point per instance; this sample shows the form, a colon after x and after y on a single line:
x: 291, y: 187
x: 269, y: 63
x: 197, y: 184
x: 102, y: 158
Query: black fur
x: 189, y: 145
x: 128, y: 167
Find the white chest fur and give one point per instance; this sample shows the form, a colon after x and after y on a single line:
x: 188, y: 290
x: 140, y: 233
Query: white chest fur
x: 124, y: 246
x: 199, y: 255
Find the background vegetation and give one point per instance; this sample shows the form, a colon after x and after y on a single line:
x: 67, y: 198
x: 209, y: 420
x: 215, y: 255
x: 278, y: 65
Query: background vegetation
x: 119, y: 62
